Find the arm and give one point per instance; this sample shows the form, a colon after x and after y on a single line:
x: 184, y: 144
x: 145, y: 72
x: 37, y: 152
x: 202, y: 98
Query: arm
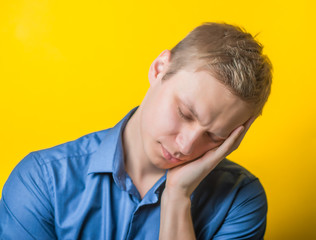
x: 175, y: 220
x: 25, y: 208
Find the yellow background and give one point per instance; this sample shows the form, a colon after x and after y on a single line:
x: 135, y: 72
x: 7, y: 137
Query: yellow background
x: 68, y: 68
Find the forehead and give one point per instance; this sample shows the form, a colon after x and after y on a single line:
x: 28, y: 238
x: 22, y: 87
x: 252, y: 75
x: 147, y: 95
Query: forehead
x: 217, y: 108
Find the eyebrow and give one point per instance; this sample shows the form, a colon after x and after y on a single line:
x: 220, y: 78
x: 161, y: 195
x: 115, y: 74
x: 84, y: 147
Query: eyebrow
x: 193, y: 111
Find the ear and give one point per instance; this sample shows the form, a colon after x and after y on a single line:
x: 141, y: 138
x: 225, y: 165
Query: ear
x: 159, y: 67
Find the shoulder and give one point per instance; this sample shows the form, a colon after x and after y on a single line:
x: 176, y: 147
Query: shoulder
x: 234, y: 170
x: 227, y: 181
x: 73, y: 153
x: 39, y: 169
x: 233, y: 202
x: 227, y: 176
x: 84, y: 145
x: 59, y: 166
x: 36, y: 181
x: 33, y: 166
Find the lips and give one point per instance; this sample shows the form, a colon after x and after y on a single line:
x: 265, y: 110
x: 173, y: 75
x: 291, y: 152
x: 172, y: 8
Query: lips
x: 168, y: 156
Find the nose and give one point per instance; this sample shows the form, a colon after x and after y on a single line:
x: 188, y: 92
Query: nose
x: 186, y: 140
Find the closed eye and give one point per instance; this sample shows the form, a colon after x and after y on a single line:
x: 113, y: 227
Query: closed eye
x: 209, y: 135
x: 188, y: 118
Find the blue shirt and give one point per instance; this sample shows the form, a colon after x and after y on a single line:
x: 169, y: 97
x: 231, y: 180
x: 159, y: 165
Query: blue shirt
x: 80, y: 190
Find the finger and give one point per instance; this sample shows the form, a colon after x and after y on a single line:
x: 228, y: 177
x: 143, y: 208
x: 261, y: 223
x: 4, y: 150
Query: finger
x: 230, y: 144
x: 226, y: 147
x: 249, y: 122
x: 247, y: 125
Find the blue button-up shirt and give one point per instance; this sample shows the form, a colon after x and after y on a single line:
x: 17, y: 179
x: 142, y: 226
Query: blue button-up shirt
x: 80, y: 190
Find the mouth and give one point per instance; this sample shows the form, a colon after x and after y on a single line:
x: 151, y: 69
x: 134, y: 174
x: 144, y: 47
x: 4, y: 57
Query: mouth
x: 168, y: 156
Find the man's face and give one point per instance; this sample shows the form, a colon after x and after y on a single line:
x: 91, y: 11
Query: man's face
x: 186, y: 115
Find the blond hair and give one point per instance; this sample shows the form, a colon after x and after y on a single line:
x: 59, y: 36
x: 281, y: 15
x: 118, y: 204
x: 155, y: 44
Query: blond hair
x: 232, y: 56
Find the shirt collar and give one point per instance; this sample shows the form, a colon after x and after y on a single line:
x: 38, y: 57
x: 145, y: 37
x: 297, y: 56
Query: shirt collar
x: 109, y: 157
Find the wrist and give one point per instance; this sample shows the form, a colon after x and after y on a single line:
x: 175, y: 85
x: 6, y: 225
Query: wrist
x: 175, y: 196
x: 175, y: 220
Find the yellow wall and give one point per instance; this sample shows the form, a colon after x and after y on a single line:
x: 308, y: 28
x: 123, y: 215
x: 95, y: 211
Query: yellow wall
x: 68, y: 68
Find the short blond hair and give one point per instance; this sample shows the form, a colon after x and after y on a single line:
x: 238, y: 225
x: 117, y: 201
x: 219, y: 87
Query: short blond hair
x: 231, y: 55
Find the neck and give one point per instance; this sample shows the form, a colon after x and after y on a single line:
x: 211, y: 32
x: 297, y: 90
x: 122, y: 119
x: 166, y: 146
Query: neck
x: 143, y: 173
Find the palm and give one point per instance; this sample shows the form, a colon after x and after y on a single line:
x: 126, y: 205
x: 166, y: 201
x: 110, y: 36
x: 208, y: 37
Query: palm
x: 185, y: 178
x: 190, y: 174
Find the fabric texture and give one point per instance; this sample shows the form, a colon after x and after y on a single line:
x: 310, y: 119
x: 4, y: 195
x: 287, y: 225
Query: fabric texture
x: 80, y: 190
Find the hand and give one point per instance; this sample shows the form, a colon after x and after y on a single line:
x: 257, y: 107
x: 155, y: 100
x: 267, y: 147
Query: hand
x: 183, y: 179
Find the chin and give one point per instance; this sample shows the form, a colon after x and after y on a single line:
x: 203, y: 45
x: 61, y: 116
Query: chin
x: 161, y: 164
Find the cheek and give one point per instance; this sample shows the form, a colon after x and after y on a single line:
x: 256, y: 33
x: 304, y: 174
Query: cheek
x: 169, y: 123
x: 203, y: 146
x: 165, y: 121
x: 214, y: 145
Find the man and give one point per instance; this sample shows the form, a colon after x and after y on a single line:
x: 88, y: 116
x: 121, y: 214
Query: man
x: 161, y: 172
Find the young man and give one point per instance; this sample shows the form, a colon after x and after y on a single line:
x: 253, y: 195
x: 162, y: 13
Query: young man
x: 161, y: 171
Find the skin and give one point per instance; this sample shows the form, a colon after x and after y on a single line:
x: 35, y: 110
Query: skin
x: 165, y: 134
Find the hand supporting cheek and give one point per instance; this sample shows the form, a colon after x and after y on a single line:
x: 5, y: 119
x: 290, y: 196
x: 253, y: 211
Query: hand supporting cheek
x: 183, y: 179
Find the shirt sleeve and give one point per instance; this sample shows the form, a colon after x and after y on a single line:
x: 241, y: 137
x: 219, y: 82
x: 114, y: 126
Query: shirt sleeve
x: 26, y: 211
x: 247, y: 216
